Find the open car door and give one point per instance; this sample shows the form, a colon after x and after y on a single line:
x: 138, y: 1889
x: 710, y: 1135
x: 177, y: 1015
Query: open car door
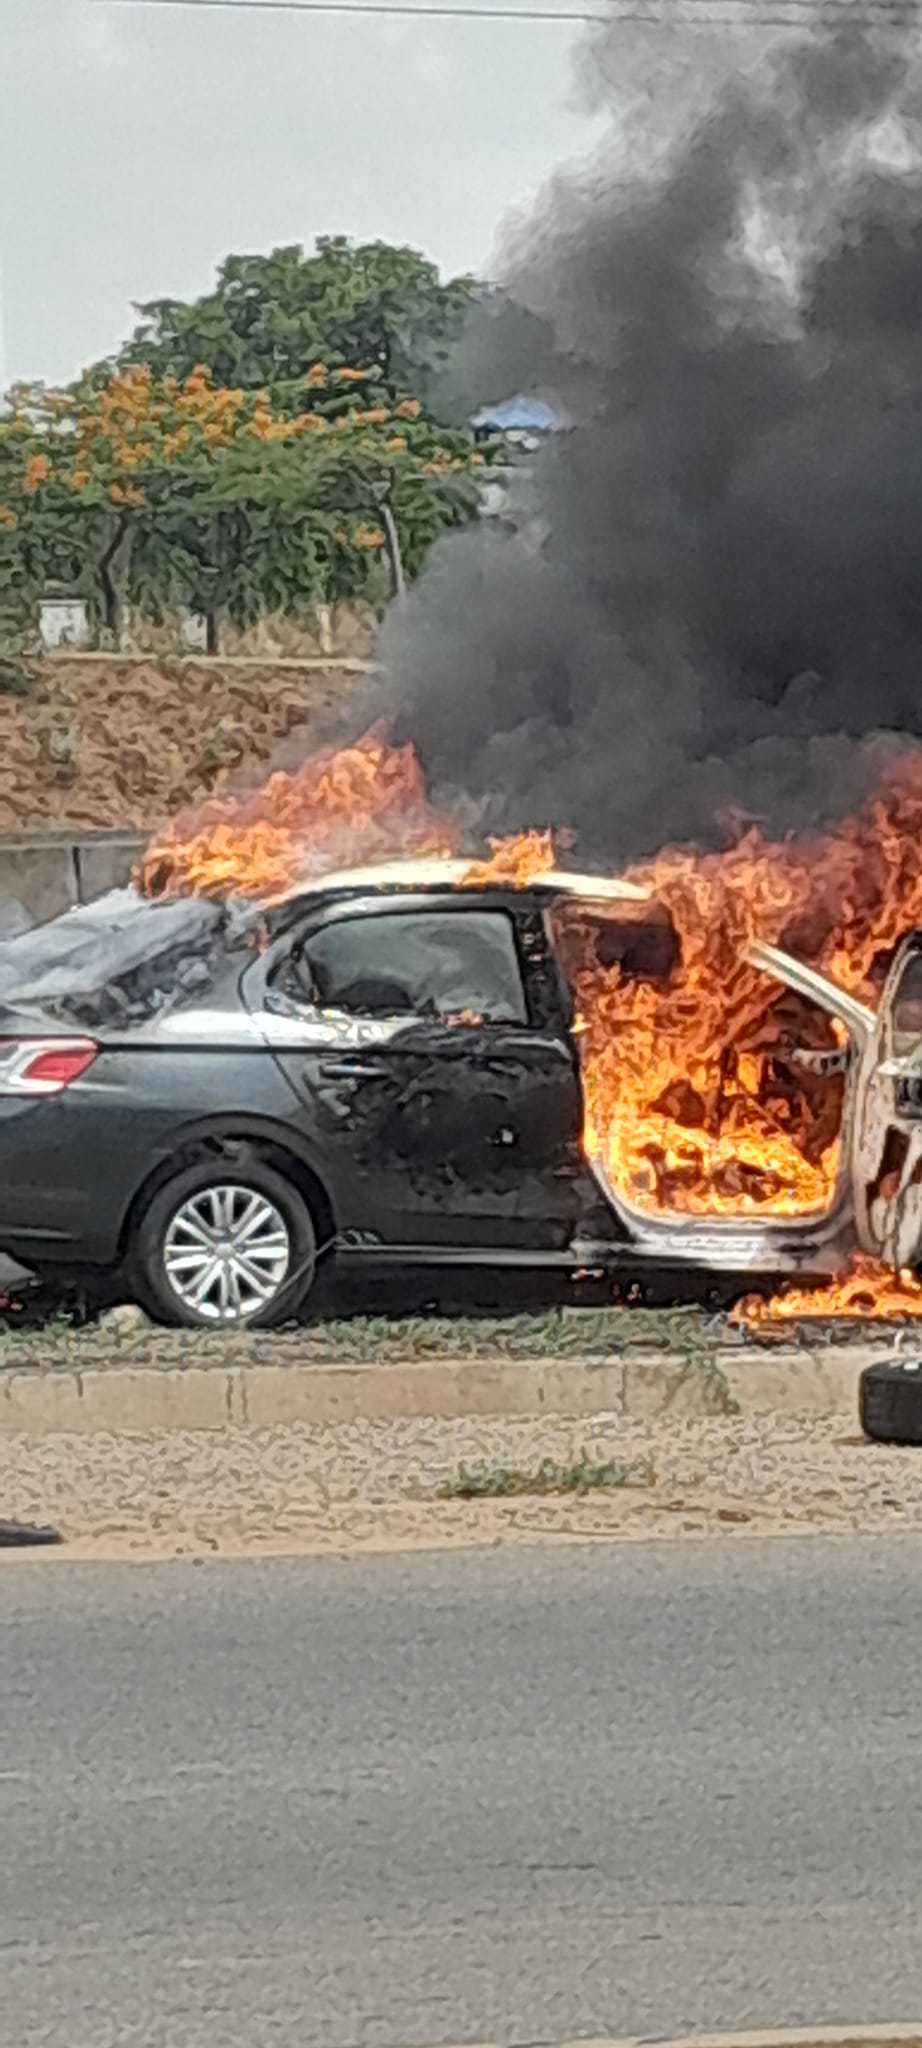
x: 887, y: 1121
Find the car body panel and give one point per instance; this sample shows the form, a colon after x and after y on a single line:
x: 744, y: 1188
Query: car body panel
x: 447, y: 873
x: 433, y: 1138
x: 73, y: 1163
x: 457, y: 1134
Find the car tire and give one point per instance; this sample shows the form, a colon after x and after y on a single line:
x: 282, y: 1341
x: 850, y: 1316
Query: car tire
x: 890, y: 1401
x: 164, y: 1237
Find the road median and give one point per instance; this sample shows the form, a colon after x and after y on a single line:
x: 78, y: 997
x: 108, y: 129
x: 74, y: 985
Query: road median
x: 132, y: 1395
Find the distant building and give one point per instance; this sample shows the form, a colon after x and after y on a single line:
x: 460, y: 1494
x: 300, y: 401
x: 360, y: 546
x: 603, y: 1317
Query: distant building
x: 63, y: 620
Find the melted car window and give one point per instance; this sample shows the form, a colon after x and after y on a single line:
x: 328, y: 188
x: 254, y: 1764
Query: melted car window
x: 461, y: 964
x: 907, y: 1008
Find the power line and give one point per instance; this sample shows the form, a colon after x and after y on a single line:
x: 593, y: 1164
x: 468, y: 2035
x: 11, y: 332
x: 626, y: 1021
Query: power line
x: 451, y: 12
x: 747, y: 14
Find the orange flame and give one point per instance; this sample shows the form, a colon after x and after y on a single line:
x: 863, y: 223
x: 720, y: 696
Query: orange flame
x: 517, y: 861
x: 693, y: 1103
x: 865, y: 1289
x: 361, y: 803
x: 692, y: 1097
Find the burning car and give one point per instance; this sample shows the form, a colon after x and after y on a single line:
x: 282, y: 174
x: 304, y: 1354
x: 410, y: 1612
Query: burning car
x: 203, y: 1096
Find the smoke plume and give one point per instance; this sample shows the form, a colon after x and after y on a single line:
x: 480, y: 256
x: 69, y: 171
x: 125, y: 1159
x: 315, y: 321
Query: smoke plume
x: 712, y: 599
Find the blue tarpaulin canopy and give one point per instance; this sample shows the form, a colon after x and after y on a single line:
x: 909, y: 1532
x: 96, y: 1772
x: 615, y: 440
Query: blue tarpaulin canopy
x: 517, y: 416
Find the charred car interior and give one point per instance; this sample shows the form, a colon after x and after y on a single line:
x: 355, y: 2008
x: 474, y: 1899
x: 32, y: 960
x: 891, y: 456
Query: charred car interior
x: 202, y: 1099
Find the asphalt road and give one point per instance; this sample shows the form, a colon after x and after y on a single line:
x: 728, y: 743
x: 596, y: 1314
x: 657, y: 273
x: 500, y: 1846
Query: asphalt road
x: 513, y: 1796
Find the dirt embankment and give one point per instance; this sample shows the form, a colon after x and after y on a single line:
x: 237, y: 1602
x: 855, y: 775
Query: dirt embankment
x: 101, y: 743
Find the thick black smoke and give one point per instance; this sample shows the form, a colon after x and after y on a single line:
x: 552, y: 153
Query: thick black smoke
x: 714, y: 596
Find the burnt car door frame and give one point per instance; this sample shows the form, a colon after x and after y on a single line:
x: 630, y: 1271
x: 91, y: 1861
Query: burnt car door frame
x: 886, y: 1137
x: 882, y: 1129
x: 511, y: 1184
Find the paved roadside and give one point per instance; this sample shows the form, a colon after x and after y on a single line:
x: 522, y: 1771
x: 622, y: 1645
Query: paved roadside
x: 543, y: 1795
x: 348, y: 1486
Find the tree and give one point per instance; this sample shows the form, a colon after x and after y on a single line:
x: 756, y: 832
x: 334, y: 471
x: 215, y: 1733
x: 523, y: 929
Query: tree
x: 270, y: 317
x: 261, y: 448
x: 131, y: 486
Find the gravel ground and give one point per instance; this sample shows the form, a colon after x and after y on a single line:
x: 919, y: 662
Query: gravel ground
x: 376, y: 1484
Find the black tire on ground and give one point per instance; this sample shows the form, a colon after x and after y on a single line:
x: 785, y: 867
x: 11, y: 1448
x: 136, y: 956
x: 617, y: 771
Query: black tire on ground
x: 146, y: 1270
x: 18, y: 1535
x: 890, y: 1401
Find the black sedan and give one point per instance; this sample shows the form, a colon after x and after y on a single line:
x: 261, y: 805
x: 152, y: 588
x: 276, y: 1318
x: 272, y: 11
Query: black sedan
x: 200, y: 1100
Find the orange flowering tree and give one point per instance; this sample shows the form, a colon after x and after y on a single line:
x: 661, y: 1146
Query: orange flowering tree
x: 233, y: 500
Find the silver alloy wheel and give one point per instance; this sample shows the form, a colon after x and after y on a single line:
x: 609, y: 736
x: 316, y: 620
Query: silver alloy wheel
x: 227, y: 1252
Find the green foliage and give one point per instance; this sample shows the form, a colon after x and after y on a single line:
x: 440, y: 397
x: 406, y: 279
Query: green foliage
x: 258, y: 450
x: 270, y: 317
x: 15, y: 681
x: 499, y: 1482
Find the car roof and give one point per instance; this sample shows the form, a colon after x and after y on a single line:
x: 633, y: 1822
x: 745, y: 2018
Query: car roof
x: 452, y: 873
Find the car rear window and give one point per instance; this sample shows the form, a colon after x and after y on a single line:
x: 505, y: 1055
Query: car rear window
x: 440, y: 964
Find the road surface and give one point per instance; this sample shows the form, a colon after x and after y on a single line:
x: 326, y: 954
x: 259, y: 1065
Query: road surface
x: 508, y: 1796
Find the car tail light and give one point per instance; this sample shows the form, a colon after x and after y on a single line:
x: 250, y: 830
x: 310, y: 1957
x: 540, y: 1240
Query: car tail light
x: 43, y: 1066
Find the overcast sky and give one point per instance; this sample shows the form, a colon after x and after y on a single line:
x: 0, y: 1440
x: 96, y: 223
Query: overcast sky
x: 139, y: 146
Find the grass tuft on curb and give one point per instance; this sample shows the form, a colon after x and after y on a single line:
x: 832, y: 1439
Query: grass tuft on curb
x: 500, y: 1482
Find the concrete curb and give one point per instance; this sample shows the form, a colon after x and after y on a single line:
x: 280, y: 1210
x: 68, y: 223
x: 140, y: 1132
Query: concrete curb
x: 139, y: 1399
x: 903, y: 2036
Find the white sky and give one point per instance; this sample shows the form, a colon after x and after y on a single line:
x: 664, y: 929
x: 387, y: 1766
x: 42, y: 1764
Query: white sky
x: 137, y: 148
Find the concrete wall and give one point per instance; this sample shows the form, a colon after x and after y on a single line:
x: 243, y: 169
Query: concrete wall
x: 47, y: 872
x: 346, y: 631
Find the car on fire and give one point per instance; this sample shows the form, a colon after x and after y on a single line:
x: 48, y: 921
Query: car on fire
x: 203, y: 1100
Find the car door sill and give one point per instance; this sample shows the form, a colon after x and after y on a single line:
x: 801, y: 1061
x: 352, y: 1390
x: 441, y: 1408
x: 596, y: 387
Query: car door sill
x: 573, y: 1259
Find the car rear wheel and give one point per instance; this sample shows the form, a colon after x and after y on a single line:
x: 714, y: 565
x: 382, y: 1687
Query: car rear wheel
x: 223, y: 1245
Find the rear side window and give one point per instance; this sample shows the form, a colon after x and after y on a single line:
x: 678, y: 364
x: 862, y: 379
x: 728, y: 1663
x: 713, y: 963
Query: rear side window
x: 436, y: 964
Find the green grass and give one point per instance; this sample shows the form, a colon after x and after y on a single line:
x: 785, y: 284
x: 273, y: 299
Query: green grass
x: 17, y: 1340
x: 500, y: 1482
x: 593, y: 1334
x: 553, y: 1333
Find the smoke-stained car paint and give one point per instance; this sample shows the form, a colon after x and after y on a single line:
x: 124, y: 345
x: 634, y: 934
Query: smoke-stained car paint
x: 198, y: 1100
